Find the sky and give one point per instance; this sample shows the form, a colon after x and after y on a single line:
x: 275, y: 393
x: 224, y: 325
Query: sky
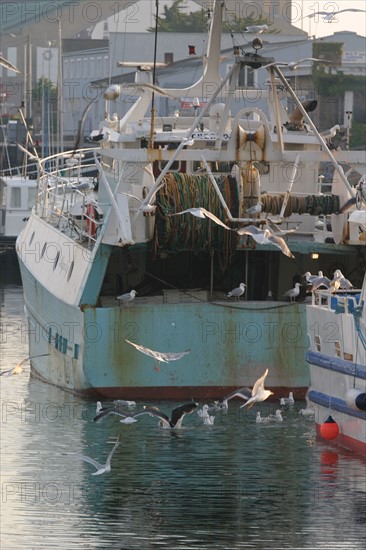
x: 140, y: 15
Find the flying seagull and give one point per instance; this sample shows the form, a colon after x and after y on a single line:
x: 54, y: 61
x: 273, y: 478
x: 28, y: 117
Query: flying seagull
x: 164, y: 357
x: 237, y: 292
x: 144, y: 208
x: 258, y: 392
x: 101, y: 468
x: 202, y: 213
x: 256, y: 28
x: 175, y: 421
x: 265, y: 236
x: 19, y: 367
x: 5, y: 63
x: 293, y: 292
x: 116, y: 410
x: 293, y: 65
x: 330, y: 15
x: 242, y: 393
x: 124, y: 298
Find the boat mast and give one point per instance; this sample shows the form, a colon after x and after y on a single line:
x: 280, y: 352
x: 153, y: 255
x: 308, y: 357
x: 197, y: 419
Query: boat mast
x: 152, y: 124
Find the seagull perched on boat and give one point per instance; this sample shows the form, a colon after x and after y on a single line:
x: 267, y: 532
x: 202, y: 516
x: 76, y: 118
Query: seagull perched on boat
x: 270, y: 418
x: 101, y: 468
x: 201, y: 212
x: 237, y: 292
x: 258, y: 392
x: 293, y: 65
x: 256, y: 209
x: 124, y: 298
x: 309, y: 277
x: 293, y: 292
x: 331, y: 15
x: 175, y: 421
x: 256, y: 28
x: 344, y: 283
x: 164, y: 357
x: 265, y: 236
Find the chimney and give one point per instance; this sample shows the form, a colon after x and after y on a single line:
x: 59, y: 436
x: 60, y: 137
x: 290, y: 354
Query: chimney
x: 168, y: 58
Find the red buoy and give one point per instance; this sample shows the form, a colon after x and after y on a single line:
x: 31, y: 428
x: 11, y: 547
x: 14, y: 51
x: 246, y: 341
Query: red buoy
x: 329, y: 429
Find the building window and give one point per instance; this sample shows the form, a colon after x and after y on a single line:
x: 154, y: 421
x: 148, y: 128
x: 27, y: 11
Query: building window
x: 15, y: 198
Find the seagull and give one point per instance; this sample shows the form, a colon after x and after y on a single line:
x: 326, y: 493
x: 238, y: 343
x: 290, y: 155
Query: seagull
x: 237, y: 292
x: 19, y: 367
x: 343, y: 282
x: 101, y: 468
x: 319, y: 281
x: 271, y: 418
x: 293, y: 292
x: 164, y: 357
x: 242, y: 393
x: 144, y: 207
x: 258, y: 392
x: 124, y: 298
x: 265, y: 236
x: 201, y: 212
x: 287, y: 401
x: 256, y: 28
x: 208, y: 419
x: 309, y: 277
x: 293, y: 65
x: 176, y: 417
x: 101, y: 412
x: 276, y: 230
x: 330, y: 15
x: 256, y: 209
x: 309, y: 411
x: 5, y: 63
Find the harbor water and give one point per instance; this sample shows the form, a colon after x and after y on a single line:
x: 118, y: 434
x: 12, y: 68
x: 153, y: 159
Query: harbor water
x: 236, y: 484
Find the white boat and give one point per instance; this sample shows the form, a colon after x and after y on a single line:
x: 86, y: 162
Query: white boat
x: 84, y: 246
x: 337, y: 357
x: 17, y: 197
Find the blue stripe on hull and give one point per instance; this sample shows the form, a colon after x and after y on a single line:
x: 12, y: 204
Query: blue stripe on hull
x: 336, y: 364
x: 334, y: 404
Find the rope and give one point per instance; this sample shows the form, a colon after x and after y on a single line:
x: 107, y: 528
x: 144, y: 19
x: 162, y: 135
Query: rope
x: 314, y: 205
x: 186, y: 232
x: 357, y: 313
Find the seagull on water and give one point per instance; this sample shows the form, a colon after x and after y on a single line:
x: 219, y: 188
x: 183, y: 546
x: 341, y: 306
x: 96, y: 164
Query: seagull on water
x: 207, y: 418
x: 271, y: 418
x: 237, y: 292
x: 175, y: 421
x: 265, y: 236
x: 101, y: 468
x: 124, y: 298
x: 331, y: 15
x: 258, y: 392
x: 287, y: 401
x: 202, y: 213
x: 160, y: 356
x: 293, y: 292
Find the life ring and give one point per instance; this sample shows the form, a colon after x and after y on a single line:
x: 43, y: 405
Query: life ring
x: 90, y: 219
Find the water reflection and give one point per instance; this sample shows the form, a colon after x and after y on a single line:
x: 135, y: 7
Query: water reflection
x: 232, y: 485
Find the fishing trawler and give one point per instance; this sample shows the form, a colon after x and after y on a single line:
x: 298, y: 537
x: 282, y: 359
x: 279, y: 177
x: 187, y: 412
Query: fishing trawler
x: 87, y: 246
x: 337, y: 358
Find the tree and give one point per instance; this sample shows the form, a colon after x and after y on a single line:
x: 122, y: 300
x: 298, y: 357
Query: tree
x: 174, y: 19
